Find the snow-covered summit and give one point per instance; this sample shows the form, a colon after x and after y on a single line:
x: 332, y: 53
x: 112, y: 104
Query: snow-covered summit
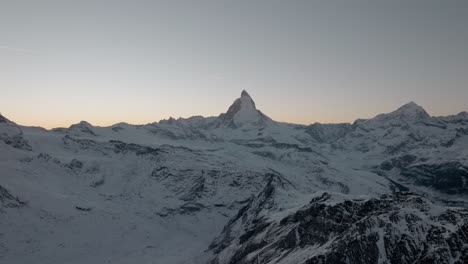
x: 410, y: 112
x: 242, y: 112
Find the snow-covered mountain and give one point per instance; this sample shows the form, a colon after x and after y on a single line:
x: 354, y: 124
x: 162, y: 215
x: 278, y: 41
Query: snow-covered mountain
x: 243, y: 113
x: 237, y: 188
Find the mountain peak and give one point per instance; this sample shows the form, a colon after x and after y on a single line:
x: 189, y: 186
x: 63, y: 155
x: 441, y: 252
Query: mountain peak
x: 82, y: 126
x: 410, y: 106
x: 246, y: 101
x: 242, y: 111
x: 411, y: 110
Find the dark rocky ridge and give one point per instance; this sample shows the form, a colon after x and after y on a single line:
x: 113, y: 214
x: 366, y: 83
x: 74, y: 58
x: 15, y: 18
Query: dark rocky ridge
x: 399, y: 228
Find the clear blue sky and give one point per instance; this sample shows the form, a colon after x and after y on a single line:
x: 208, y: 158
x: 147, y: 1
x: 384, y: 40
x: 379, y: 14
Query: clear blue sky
x: 302, y: 61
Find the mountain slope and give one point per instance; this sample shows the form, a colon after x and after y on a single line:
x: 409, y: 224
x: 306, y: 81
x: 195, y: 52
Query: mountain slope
x: 237, y: 188
x: 400, y: 228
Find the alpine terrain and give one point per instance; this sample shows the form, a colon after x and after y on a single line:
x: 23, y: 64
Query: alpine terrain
x: 239, y: 188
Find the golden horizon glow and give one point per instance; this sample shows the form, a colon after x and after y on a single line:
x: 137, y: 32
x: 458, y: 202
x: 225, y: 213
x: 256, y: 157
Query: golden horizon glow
x: 299, y: 63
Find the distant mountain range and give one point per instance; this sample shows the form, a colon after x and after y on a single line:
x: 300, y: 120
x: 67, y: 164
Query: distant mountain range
x: 237, y: 188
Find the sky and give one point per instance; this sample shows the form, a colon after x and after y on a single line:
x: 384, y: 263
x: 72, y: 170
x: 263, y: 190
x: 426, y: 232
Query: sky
x: 301, y: 61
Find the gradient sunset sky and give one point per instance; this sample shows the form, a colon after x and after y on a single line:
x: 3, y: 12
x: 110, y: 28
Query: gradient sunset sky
x: 302, y: 61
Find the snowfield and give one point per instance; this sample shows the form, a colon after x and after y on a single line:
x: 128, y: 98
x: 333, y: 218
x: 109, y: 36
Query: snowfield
x: 237, y: 188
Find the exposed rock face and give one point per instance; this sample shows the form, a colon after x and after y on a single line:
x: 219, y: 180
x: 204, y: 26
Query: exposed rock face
x: 249, y: 221
x: 399, y: 228
x: 7, y: 200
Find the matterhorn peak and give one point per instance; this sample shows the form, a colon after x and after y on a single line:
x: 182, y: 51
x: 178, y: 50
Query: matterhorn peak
x: 242, y: 111
x: 246, y: 100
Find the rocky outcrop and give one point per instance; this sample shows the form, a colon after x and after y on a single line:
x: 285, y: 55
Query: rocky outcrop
x: 399, y: 228
x: 7, y: 200
x: 12, y: 135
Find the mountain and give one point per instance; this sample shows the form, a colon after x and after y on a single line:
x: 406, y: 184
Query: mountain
x: 243, y: 113
x: 237, y: 188
x: 410, y: 112
x: 397, y: 228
